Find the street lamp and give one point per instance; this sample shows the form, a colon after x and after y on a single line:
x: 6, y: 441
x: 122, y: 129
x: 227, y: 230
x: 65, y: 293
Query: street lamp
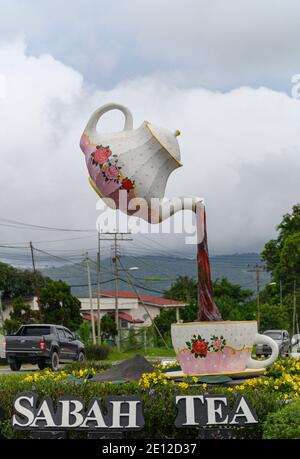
x: 280, y: 288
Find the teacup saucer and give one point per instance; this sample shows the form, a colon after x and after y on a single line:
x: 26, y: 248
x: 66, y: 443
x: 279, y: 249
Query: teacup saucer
x: 234, y: 374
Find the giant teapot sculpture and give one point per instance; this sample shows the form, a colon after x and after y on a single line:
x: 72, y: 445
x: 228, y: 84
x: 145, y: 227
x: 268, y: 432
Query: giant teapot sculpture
x: 137, y: 162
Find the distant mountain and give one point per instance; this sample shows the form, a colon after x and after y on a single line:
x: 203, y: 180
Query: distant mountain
x: 156, y: 273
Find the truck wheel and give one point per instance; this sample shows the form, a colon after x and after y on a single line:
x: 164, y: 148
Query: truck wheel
x: 54, y: 363
x: 15, y: 365
x: 81, y: 357
x: 42, y: 365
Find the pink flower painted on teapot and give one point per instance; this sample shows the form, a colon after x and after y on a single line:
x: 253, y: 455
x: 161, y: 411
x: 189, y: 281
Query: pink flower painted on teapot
x: 102, y: 154
x: 112, y: 172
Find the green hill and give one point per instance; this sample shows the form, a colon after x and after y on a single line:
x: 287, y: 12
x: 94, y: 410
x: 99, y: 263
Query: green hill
x: 159, y: 271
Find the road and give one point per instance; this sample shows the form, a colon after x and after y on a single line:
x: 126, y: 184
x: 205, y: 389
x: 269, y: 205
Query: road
x: 26, y: 369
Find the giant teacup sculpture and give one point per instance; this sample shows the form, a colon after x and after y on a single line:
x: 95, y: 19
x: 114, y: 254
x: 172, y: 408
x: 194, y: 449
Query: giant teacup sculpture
x: 129, y: 171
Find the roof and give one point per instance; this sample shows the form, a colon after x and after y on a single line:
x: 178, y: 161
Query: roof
x: 150, y: 299
x: 122, y: 315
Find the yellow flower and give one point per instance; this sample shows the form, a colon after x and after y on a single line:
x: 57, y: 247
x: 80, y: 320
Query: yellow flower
x: 183, y: 385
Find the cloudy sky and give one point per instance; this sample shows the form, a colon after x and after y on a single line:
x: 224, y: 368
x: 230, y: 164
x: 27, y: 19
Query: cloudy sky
x: 219, y: 71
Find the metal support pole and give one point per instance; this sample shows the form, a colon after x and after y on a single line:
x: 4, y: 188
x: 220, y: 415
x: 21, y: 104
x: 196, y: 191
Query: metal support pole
x: 98, y: 293
x: 257, y: 296
x: 36, y: 287
x: 294, y: 308
x: 91, y: 295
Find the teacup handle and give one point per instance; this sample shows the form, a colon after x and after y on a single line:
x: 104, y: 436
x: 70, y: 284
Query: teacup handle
x: 92, y: 123
x: 263, y: 339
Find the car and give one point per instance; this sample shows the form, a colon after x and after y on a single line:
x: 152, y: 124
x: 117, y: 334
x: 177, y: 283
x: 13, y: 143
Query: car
x: 281, y: 337
x: 43, y: 344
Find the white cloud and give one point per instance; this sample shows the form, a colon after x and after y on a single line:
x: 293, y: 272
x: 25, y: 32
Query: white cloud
x: 240, y: 150
x: 219, y: 45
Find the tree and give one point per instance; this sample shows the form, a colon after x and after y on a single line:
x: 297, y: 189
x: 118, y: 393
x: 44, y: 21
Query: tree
x: 274, y: 317
x: 84, y: 331
x: 21, y: 314
x: 16, y: 282
x: 108, y: 327
x: 234, y: 302
x: 58, y: 306
x: 163, y: 321
x: 183, y: 289
x: 282, y: 257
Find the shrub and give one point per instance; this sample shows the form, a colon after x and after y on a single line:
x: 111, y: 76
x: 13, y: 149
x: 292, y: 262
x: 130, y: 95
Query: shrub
x: 86, y: 364
x: 84, y: 331
x: 284, y: 423
x: 97, y: 352
x: 275, y: 420
x: 159, y: 406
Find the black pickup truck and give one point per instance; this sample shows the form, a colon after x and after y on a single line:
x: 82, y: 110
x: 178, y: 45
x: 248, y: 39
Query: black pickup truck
x: 46, y: 345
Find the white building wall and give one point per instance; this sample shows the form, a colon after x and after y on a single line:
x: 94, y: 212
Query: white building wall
x: 130, y: 306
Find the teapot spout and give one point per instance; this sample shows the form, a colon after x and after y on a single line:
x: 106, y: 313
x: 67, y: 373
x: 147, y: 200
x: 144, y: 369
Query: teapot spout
x: 168, y: 207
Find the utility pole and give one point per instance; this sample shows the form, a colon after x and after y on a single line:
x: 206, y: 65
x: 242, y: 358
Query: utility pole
x: 98, y: 292
x: 36, y: 287
x: 257, y: 269
x: 91, y: 295
x: 145, y: 307
x: 280, y: 289
x: 1, y: 311
x: 294, y: 309
x: 117, y: 237
x: 115, y: 260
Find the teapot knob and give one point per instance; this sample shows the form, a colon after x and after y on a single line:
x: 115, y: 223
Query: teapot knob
x: 177, y: 133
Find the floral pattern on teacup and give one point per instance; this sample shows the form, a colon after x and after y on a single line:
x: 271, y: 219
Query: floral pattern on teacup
x: 199, y: 347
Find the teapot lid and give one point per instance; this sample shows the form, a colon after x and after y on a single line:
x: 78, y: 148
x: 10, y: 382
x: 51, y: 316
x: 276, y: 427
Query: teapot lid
x: 166, y: 139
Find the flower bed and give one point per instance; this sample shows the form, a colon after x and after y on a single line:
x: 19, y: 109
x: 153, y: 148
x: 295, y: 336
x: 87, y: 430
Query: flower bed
x: 267, y: 394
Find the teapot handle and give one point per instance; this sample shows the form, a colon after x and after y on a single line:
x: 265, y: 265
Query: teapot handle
x: 92, y: 123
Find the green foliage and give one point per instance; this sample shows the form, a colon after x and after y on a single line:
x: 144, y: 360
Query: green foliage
x: 190, y: 312
x: 108, y: 327
x: 282, y: 257
x: 20, y: 314
x: 282, y: 254
x: 97, y: 352
x: 58, y: 306
x: 164, y: 320
x: 84, y: 332
x: 16, y: 282
x: 132, y: 339
x: 159, y: 404
x: 184, y: 289
x: 274, y: 317
x: 95, y: 364
x: 234, y: 302
x: 284, y: 423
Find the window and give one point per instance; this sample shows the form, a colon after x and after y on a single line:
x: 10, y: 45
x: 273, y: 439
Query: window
x: 274, y: 335
x: 35, y: 331
x: 61, y: 334
x: 68, y: 334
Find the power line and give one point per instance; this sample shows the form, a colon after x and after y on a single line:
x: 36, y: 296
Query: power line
x: 40, y: 227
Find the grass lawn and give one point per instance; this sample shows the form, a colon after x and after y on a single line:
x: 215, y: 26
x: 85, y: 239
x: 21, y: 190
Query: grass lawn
x: 151, y: 352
